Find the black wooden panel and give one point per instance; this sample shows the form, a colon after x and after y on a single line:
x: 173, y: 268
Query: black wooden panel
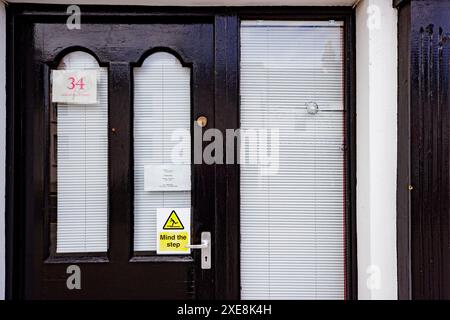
x: 117, y: 275
x: 423, y: 95
x: 403, y: 159
x: 119, y: 154
x: 227, y: 175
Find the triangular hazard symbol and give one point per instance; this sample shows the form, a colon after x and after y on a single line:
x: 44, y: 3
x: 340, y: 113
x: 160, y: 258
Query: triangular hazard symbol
x: 173, y: 222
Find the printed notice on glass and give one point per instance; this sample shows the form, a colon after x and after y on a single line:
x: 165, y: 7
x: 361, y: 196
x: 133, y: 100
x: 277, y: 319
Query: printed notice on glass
x: 167, y: 177
x: 74, y: 86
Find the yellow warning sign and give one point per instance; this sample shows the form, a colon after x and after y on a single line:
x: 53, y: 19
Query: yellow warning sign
x: 173, y: 230
x: 173, y: 241
x: 173, y: 222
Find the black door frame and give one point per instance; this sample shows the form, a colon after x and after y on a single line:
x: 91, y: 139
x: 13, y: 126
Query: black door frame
x: 226, y: 40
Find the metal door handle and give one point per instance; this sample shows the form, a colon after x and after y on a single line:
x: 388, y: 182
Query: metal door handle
x: 205, y: 246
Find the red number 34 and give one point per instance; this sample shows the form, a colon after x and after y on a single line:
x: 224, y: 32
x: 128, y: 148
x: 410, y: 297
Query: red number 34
x: 73, y: 83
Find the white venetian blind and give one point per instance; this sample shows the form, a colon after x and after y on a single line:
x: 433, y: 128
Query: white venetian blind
x: 82, y: 166
x: 162, y: 109
x: 292, y: 216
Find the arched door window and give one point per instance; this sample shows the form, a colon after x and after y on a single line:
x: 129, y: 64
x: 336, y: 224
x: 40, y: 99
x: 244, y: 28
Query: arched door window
x: 79, y: 166
x: 162, y: 112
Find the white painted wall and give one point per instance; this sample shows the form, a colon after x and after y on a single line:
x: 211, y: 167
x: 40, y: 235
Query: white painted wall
x: 376, y: 65
x: 2, y: 145
x: 376, y: 136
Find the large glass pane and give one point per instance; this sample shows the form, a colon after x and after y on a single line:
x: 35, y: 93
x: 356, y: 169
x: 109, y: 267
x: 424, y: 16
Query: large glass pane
x: 292, y: 160
x: 162, y: 109
x: 82, y: 166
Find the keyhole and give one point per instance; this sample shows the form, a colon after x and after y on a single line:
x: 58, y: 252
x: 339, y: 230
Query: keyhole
x: 206, y: 258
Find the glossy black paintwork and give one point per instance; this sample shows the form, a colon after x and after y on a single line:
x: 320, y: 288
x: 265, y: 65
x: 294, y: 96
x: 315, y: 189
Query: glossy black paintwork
x: 423, y: 170
x: 207, y: 39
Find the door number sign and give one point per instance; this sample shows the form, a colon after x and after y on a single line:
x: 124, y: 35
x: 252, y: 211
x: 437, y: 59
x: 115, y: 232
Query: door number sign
x: 74, y: 86
x: 173, y: 230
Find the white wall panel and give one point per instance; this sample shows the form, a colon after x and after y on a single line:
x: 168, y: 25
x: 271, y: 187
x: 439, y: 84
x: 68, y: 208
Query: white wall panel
x: 376, y: 108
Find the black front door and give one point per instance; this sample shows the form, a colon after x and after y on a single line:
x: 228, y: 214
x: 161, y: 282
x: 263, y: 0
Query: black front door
x: 81, y: 218
x: 121, y: 271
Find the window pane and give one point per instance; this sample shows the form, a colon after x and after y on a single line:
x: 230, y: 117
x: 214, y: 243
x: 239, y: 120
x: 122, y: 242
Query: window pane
x: 162, y: 111
x: 292, y: 195
x: 82, y: 166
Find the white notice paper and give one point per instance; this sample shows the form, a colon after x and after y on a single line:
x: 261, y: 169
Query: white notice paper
x: 74, y: 86
x: 167, y: 177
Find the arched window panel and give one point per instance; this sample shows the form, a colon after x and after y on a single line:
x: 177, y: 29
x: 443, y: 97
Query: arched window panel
x: 82, y: 166
x: 162, y: 108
